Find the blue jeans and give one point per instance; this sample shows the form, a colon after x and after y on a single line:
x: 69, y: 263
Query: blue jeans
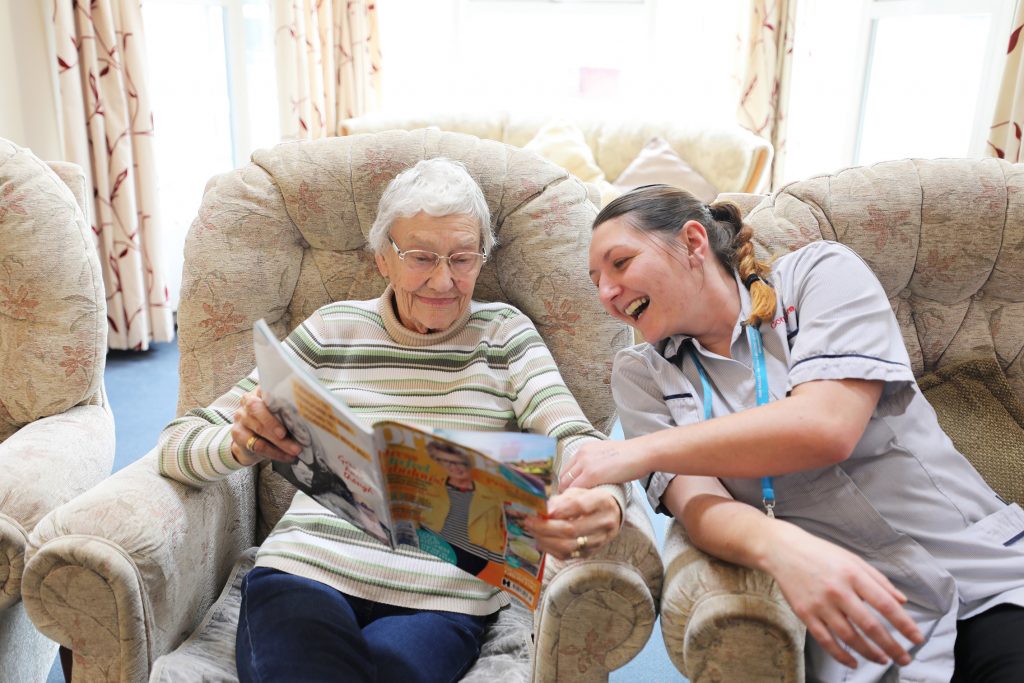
x: 296, y: 629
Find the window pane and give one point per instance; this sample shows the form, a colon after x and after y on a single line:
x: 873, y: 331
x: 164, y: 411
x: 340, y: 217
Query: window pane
x: 191, y: 114
x: 672, y: 59
x: 923, y: 86
x: 200, y: 129
x: 260, y: 74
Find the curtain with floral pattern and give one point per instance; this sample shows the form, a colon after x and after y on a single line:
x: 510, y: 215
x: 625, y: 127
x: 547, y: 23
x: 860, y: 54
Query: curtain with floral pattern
x: 764, y: 91
x: 107, y: 129
x: 328, y: 63
x: 1004, y: 138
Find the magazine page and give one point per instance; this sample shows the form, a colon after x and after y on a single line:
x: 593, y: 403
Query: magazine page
x: 338, y: 465
x: 463, y: 496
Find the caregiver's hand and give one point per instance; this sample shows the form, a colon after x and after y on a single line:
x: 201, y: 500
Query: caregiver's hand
x: 830, y: 590
x: 603, y: 462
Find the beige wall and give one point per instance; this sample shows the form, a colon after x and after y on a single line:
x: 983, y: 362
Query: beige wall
x: 28, y: 110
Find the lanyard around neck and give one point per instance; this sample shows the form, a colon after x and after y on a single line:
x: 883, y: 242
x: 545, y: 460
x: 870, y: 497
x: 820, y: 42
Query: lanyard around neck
x: 763, y: 397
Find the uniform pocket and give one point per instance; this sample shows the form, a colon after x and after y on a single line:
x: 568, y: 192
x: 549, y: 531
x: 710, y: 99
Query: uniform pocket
x: 987, y: 557
x: 683, y: 408
x: 1004, y: 527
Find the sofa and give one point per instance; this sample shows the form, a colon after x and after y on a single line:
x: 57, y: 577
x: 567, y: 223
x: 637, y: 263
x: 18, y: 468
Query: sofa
x: 56, y: 428
x: 946, y: 239
x: 729, y: 157
x: 139, y: 577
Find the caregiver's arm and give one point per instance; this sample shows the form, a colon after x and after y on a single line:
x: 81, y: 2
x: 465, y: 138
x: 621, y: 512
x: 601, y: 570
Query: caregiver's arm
x: 817, y: 425
x: 828, y: 587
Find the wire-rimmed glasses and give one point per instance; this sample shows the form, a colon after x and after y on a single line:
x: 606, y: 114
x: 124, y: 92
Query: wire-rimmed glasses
x: 422, y: 261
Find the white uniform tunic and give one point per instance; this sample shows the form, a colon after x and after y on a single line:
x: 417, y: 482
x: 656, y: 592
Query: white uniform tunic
x: 905, y: 500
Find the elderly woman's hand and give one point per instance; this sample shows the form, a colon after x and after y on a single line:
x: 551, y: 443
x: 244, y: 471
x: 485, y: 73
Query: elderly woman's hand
x: 579, y: 522
x: 257, y: 435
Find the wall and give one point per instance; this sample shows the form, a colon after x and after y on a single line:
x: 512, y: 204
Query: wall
x: 28, y: 108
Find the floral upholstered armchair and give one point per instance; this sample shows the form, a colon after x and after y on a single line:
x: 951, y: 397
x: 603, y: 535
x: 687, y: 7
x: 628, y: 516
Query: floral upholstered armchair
x: 125, y: 575
x: 946, y: 239
x: 56, y: 429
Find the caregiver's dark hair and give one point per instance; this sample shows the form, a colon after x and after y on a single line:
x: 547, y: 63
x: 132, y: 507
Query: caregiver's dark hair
x: 663, y: 210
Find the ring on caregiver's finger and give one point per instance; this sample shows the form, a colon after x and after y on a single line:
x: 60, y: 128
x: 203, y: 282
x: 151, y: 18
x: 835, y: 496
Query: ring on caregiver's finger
x: 252, y: 442
x: 570, y: 475
x: 581, y: 543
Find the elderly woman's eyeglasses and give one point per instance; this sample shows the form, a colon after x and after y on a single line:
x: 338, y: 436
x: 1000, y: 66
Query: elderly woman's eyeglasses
x: 453, y: 463
x: 421, y: 261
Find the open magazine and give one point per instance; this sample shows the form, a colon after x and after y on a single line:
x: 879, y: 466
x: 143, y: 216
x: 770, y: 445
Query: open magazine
x: 459, y: 495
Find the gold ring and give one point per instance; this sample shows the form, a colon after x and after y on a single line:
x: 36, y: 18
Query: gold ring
x: 581, y: 543
x: 575, y: 555
x: 251, y: 442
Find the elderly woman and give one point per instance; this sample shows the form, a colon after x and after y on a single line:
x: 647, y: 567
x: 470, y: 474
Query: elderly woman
x: 325, y: 601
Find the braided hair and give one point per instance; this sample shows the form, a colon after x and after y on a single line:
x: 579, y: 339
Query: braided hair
x: 663, y: 209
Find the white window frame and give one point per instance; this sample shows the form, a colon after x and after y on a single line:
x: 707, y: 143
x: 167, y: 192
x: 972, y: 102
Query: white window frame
x: 991, y: 76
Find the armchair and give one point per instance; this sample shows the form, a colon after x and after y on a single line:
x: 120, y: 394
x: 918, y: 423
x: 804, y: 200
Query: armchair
x: 946, y: 239
x: 126, y: 573
x: 56, y: 429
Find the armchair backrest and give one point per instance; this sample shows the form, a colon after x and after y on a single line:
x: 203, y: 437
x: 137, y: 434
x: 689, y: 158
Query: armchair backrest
x: 286, y: 234
x: 945, y: 238
x: 732, y: 158
x: 53, y: 334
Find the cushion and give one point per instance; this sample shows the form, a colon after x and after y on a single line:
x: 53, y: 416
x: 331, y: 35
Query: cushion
x: 606, y: 192
x: 657, y: 162
x: 53, y: 321
x: 984, y: 418
x: 209, y: 653
x: 562, y: 143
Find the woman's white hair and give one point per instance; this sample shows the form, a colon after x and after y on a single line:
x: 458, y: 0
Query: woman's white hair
x: 437, y: 187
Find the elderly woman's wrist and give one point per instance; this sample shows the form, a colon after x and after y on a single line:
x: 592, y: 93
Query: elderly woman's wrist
x: 618, y: 494
x: 239, y: 459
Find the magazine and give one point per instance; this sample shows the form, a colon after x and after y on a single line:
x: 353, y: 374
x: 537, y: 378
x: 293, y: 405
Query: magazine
x: 459, y: 495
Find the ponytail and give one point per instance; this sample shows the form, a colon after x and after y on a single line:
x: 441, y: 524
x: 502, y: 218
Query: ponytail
x: 753, y: 273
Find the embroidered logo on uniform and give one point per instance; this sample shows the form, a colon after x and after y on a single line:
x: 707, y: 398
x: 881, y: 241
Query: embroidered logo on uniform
x: 784, y: 318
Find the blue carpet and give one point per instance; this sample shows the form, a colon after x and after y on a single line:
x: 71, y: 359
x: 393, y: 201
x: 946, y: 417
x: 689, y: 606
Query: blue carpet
x: 143, y: 392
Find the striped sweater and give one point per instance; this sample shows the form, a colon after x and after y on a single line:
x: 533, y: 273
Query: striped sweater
x: 489, y: 371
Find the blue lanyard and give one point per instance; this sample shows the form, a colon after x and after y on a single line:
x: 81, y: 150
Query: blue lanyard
x: 761, y: 387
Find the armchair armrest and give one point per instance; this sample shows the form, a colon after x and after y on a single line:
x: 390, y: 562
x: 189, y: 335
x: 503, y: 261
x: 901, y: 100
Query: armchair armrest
x: 123, y: 573
x: 597, y: 614
x: 723, y: 622
x: 45, y: 464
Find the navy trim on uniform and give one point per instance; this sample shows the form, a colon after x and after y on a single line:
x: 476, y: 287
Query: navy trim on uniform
x: 847, y: 355
x: 672, y: 396
x: 1014, y: 539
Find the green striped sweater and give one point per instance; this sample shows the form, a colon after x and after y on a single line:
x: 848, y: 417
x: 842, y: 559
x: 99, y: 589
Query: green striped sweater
x: 489, y: 371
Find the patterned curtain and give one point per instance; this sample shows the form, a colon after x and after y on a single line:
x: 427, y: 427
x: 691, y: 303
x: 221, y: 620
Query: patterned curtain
x: 1004, y: 138
x: 107, y: 129
x: 764, y: 92
x: 328, y: 63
